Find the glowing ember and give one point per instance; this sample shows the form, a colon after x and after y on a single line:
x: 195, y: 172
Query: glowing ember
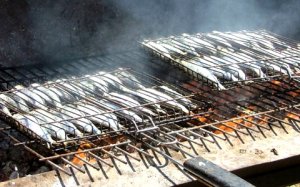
x: 76, y: 159
x: 293, y: 116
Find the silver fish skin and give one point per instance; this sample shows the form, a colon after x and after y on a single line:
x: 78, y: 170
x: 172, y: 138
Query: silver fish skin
x: 73, y: 90
x: 115, y: 82
x: 232, y: 68
x: 98, y: 83
x: 197, y: 47
x: 158, y: 48
x: 241, y: 36
x: 129, y: 102
x: 65, y: 125
x: 71, y: 111
x: 107, y: 120
x: 263, y: 41
x: 55, y: 100
x: 199, y: 41
x: 130, y: 80
x: 4, y: 109
x: 273, y: 66
x: 219, y: 39
x: 29, y: 97
x: 87, y: 87
x: 183, y: 47
x: 274, y: 39
x: 44, y: 96
x: 217, y: 71
x: 186, y: 102
x: 231, y: 37
x: 68, y: 126
x: 204, y: 72
x: 14, y: 103
x: 148, y: 99
x: 112, y: 80
x: 63, y: 92
x: 278, y: 55
x: 161, y: 96
x: 174, y: 49
x: 53, y: 128
x: 31, y: 123
x: 253, y: 67
x: 125, y: 113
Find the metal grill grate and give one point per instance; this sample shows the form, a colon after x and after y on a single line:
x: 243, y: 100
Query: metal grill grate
x: 228, y: 59
x: 220, y: 117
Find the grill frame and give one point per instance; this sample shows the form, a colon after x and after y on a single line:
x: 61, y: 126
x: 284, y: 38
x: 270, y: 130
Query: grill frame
x: 217, y: 68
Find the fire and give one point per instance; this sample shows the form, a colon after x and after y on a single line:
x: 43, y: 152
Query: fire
x: 247, y: 121
x: 202, y: 119
x: 293, y: 116
x: 78, y: 161
x: 276, y: 82
x: 293, y: 93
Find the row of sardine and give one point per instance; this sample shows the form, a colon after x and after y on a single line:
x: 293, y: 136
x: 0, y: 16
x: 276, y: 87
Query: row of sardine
x: 57, y: 109
x: 228, y: 55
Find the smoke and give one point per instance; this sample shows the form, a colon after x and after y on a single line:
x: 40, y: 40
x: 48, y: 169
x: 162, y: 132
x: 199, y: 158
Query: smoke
x: 46, y: 31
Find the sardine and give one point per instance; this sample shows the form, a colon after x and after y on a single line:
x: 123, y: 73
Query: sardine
x: 147, y: 99
x: 115, y: 82
x: 186, y: 102
x: 174, y: 49
x: 44, y: 96
x: 217, y: 71
x: 14, y: 103
x: 261, y: 40
x: 218, y: 39
x: 31, y: 123
x: 158, y: 48
x: 198, y: 40
x: 54, y: 129
x: 55, y: 100
x: 129, y: 102
x: 253, y: 67
x: 108, y: 119
x: 4, y: 109
x: 69, y: 127
x: 71, y: 111
x: 53, y: 116
x: 124, y: 112
x: 274, y: 39
x: 271, y: 65
x: 87, y: 87
x: 204, y: 72
x: 231, y: 37
x: 183, y: 47
x: 99, y: 83
x: 112, y: 80
x: 232, y: 68
x: 161, y: 97
x: 130, y: 80
x: 75, y: 91
x: 62, y: 94
x: 30, y: 97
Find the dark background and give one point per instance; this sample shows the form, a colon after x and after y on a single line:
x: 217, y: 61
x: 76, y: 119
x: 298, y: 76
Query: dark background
x: 49, y: 30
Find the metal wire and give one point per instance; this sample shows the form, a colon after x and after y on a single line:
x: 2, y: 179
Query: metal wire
x: 225, y: 60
